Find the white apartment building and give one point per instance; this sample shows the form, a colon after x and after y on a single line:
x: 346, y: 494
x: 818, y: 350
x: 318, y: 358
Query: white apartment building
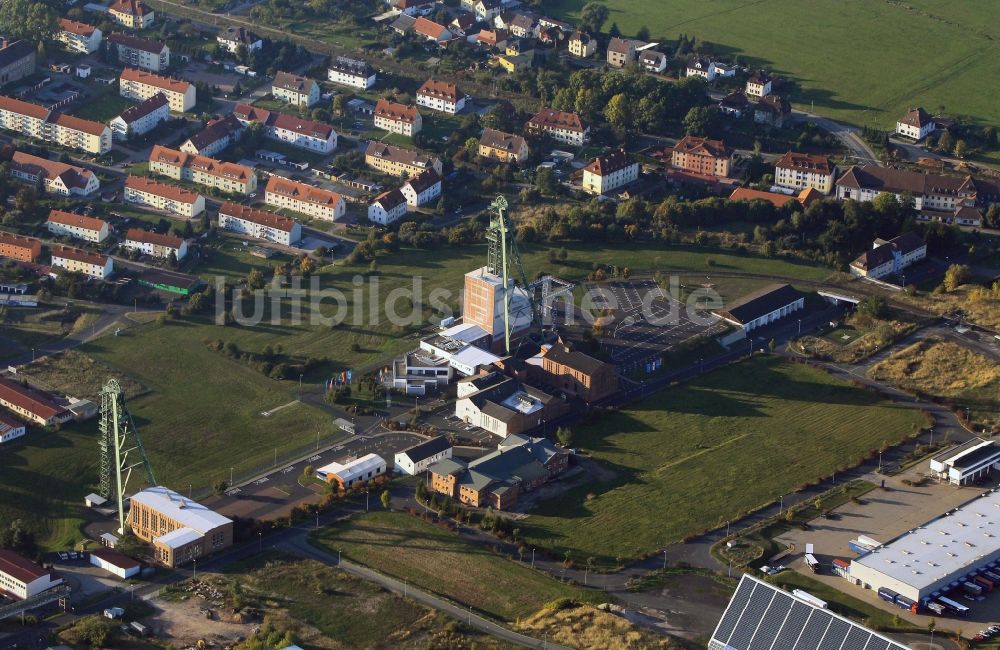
x: 77, y: 226
x: 609, y: 172
x: 397, y: 118
x: 225, y: 176
x: 134, y: 14
x: 440, y: 96
x: 146, y: 192
x: 139, y: 85
x: 93, y: 265
x: 141, y: 118
x: 422, y: 188
x: 935, y: 192
x: 59, y: 178
x: 312, y: 201
x: 295, y: 90
x: 419, y: 457
x: 40, y: 123
x: 559, y: 125
x: 259, y: 223
x: 295, y: 131
x: 79, y: 37
x: 387, y: 208
x: 351, y: 72
x: 799, y: 171
x: 22, y: 578
x: 216, y: 136
x: 155, y: 244
x: 136, y: 52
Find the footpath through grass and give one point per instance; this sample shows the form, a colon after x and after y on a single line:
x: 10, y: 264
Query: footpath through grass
x: 437, y: 560
x: 693, y: 456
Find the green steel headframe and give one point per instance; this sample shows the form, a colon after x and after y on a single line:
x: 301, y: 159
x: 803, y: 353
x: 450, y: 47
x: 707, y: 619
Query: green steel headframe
x: 119, y: 438
x: 504, y: 257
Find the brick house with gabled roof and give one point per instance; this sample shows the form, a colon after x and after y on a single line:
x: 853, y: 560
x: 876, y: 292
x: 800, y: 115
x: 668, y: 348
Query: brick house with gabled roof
x: 561, y: 126
x: 610, y: 171
x: 397, y: 118
x: 441, y: 96
x: 574, y: 374
x: 702, y: 156
x: 307, y: 199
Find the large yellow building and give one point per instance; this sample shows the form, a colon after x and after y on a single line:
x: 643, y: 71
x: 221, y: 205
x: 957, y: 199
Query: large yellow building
x: 39, y: 122
x: 180, y: 530
x: 225, y: 176
x: 397, y: 161
x: 141, y: 85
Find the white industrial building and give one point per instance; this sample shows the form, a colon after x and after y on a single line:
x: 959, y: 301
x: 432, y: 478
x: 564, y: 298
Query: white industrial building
x: 357, y: 471
x: 10, y: 428
x: 20, y: 578
x: 456, y: 349
x: 967, y: 462
x: 939, y: 556
x: 419, y: 457
x: 115, y: 563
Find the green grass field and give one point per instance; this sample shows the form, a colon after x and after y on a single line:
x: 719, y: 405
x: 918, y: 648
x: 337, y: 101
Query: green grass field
x: 696, y: 455
x: 439, y: 561
x: 848, y: 56
x: 102, y: 108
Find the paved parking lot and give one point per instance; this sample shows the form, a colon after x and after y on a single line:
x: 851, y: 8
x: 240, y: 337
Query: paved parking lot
x: 648, y: 322
x: 274, y: 495
x: 884, y: 515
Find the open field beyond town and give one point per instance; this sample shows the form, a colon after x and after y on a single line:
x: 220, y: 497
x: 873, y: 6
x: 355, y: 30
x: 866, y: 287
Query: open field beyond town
x: 437, y: 560
x: 873, y: 62
x: 948, y: 370
x: 696, y: 455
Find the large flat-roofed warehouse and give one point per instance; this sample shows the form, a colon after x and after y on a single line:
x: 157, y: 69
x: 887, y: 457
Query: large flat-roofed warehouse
x: 940, y: 555
x: 967, y: 462
x: 761, y: 616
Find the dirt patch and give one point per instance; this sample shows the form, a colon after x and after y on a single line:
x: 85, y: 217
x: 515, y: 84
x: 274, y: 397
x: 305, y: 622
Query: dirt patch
x: 589, y: 628
x: 185, y: 623
x: 76, y: 374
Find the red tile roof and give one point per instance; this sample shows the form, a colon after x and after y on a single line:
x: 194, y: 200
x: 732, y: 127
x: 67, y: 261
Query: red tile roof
x: 115, y: 558
x: 261, y: 217
x: 33, y: 401
x: 440, y: 90
x: 917, y: 117
x: 78, y: 124
x: 702, y: 147
x: 423, y: 180
x: 293, y: 82
x: 552, y: 119
x: 806, y: 162
x: 394, y: 111
x: 137, y: 42
x: 748, y: 194
x: 302, y: 192
x: 12, y: 239
x: 215, y: 130
x: 172, y: 192
x: 23, y: 108
x: 76, y: 220
x: 73, y: 27
x: 131, y: 7
x: 156, y: 239
x: 72, y: 176
x: 391, y: 199
x: 78, y: 255
x: 298, y: 125
x: 155, y: 80
x: 609, y: 163
x: 428, y: 28
x: 19, y: 567
x: 200, y: 163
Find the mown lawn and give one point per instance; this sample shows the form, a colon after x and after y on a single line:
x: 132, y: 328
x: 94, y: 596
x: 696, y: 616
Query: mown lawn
x: 437, y: 560
x: 872, y: 62
x: 695, y: 455
x: 101, y: 109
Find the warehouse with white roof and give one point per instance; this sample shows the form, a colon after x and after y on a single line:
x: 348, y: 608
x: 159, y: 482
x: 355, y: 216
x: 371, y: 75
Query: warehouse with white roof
x: 967, y: 462
x: 939, y: 556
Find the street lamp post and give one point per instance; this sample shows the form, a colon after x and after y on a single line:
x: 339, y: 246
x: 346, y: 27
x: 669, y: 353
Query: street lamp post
x: 194, y: 573
x: 781, y: 503
x: 664, y: 559
x: 260, y: 542
x: 532, y: 558
x: 300, y: 387
x: 404, y: 588
x: 230, y: 477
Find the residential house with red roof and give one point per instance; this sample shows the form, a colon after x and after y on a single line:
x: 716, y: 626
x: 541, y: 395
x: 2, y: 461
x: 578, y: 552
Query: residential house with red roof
x: 146, y: 192
x: 432, y: 31
x: 225, y: 176
x: 79, y: 37
x: 397, y: 118
x: 702, y: 156
x: 801, y: 170
x: 77, y: 226
x: 291, y: 129
x: 91, y: 264
x: 31, y: 404
x: 134, y: 14
x: 610, y: 171
x: 261, y: 224
x: 19, y: 247
x: 139, y: 85
x: 307, y: 199
x: 561, y: 126
x: 20, y: 578
x: 137, y: 52
x: 141, y: 118
x: 440, y: 96
x: 59, y: 178
x: 155, y: 244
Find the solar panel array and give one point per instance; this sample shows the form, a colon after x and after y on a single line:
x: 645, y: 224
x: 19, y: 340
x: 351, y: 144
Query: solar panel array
x: 761, y: 616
